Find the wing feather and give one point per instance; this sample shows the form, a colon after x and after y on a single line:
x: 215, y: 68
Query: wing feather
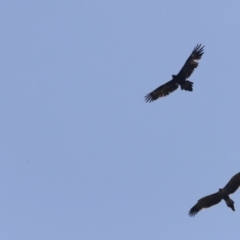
x: 233, y: 184
x: 191, y: 63
x: 161, y: 91
x: 205, y: 202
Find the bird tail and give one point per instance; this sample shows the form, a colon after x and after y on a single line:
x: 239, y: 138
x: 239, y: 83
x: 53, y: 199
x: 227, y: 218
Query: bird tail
x: 187, y: 86
x: 230, y: 203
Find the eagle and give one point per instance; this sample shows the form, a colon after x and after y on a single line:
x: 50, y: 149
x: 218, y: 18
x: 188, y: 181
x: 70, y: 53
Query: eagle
x: 180, y: 78
x: 216, y: 198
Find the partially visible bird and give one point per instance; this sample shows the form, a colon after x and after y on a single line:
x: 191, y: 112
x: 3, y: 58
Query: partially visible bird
x: 180, y: 78
x: 216, y: 198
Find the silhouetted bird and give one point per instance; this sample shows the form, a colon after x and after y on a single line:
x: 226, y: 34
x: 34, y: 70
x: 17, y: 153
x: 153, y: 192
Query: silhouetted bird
x: 180, y: 78
x: 216, y: 198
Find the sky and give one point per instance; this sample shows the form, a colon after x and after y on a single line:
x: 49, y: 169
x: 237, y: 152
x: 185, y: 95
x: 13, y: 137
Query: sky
x: 82, y: 155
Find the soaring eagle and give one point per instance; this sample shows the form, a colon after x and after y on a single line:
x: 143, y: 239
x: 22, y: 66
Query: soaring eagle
x: 180, y: 78
x: 216, y: 198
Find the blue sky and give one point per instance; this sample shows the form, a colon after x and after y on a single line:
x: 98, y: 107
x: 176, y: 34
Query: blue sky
x: 82, y: 155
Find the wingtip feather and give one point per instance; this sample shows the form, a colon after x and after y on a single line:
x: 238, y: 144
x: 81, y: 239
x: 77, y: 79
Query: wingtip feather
x: 149, y: 98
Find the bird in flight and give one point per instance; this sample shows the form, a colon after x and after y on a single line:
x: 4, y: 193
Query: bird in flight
x: 216, y: 198
x: 180, y: 78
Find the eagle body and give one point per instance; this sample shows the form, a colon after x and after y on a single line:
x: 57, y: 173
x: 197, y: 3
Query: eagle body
x: 185, y: 85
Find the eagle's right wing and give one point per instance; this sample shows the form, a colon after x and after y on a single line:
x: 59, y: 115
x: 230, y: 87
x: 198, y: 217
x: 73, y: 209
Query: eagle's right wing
x: 161, y: 91
x: 205, y: 202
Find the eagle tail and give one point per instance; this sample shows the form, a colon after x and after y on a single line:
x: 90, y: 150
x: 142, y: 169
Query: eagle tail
x: 230, y: 203
x: 187, y: 86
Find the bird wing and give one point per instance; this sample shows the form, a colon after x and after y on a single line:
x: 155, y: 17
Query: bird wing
x: 191, y: 63
x: 205, y: 202
x: 233, y: 184
x: 161, y: 91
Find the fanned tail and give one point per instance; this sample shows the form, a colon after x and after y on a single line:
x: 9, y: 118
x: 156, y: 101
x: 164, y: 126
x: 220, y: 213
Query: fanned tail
x: 187, y: 86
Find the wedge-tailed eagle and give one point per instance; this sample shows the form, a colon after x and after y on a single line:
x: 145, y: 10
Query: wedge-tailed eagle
x: 180, y: 78
x: 216, y: 198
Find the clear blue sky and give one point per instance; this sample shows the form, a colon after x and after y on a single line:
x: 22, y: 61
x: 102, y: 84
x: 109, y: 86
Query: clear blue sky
x: 82, y: 155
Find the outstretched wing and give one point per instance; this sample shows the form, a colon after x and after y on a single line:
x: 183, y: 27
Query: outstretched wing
x: 205, y: 202
x: 191, y: 63
x: 233, y: 184
x: 161, y: 91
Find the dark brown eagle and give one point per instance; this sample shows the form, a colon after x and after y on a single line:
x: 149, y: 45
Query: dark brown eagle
x: 216, y: 198
x: 180, y: 78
